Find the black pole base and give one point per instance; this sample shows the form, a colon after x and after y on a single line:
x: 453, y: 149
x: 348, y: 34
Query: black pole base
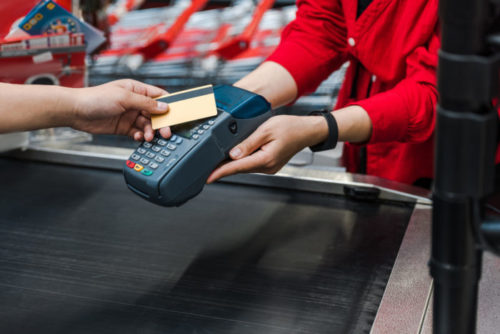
x: 455, y: 266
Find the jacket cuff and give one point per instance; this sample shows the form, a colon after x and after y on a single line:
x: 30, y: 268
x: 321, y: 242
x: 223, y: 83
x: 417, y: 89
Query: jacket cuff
x: 388, y: 114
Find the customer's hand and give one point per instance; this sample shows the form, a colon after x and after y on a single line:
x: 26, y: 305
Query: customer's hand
x: 272, y: 145
x: 122, y: 107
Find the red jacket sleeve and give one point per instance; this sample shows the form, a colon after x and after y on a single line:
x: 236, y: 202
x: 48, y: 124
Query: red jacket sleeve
x: 407, y: 112
x: 313, y: 45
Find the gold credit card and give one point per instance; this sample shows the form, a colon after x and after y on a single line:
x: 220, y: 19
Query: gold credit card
x: 186, y: 106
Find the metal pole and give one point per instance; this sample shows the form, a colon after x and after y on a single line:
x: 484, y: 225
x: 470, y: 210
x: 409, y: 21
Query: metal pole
x: 464, y: 163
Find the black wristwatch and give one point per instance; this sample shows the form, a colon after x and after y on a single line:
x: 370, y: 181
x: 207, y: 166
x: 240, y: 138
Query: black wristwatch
x: 333, y: 131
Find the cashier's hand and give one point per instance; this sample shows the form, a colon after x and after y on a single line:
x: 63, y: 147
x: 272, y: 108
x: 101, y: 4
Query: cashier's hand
x: 272, y: 145
x: 122, y: 107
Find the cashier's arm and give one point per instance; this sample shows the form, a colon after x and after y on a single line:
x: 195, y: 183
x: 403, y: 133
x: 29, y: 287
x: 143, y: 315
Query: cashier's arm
x: 120, y: 107
x: 276, y: 141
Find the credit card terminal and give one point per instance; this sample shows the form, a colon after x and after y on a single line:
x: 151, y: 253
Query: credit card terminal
x: 170, y: 171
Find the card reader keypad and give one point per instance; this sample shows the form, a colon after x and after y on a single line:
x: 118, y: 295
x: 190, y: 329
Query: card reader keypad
x: 162, y: 153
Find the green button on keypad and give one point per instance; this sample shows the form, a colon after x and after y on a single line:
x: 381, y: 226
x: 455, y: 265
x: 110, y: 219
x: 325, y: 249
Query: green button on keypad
x: 147, y: 172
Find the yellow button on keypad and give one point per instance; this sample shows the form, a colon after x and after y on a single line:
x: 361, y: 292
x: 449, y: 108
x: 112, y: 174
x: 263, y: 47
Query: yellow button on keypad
x: 138, y: 167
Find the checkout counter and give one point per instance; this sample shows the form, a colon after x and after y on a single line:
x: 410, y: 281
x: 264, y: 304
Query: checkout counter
x: 284, y: 253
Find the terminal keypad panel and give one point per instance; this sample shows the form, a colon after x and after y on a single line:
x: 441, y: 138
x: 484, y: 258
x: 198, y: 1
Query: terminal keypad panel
x: 160, y: 154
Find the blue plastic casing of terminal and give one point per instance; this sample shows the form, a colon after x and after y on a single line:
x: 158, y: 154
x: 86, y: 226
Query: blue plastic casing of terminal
x: 170, y: 172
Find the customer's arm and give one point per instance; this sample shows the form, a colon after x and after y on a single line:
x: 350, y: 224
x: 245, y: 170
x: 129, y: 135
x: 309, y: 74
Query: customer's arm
x: 121, y: 107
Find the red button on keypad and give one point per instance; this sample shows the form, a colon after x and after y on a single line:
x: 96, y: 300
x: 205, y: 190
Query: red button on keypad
x: 130, y: 164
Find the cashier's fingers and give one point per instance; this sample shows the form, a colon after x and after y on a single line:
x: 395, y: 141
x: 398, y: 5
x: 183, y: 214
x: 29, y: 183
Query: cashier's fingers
x: 258, y: 138
x: 244, y: 160
x: 256, y: 163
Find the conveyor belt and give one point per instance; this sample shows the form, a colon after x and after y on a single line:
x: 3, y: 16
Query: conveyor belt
x: 79, y: 253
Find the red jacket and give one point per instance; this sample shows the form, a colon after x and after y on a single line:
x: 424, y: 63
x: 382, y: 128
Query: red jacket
x: 392, y: 50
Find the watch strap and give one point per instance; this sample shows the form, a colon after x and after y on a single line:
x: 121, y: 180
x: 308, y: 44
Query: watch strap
x: 333, y: 131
